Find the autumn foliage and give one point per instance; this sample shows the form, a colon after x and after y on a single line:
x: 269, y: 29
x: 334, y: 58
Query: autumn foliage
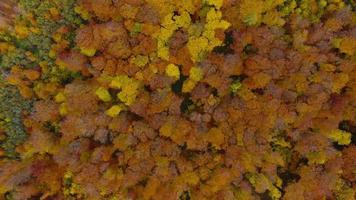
x: 178, y: 100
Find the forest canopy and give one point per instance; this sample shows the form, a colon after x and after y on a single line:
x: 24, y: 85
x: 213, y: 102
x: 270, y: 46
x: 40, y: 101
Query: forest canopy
x: 177, y: 99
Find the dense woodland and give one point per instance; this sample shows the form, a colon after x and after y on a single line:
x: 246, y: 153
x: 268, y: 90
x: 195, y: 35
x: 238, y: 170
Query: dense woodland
x: 177, y: 99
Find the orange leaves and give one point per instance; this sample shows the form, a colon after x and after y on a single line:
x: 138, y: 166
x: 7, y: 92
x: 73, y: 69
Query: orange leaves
x: 102, y: 154
x: 348, y: 46
x: 161, y: 102
x: 86, y: 41
x: 119, y: 48
x: 73, y: 61
x: 31, y: 74
x: 22, y: 78
x: 216, y: 137
x: 39, y: 142
x: 187, y: 179
x: 349, y: 162
x: 259, y: 80
x: 12, y: 174
x: 73, y: 127
x: 45, y: 111
x: 123, y: 141
x: 109, y: 35
x: 80, y: 98
x: 339, y: 82
x: 128, y: 11
x: 175, y: 130
x: 103, y: 9
x: 166, y: 130
x: 198, y: 99
x: 333, y: 24
x: 220, y: 178
x: 151, y: 188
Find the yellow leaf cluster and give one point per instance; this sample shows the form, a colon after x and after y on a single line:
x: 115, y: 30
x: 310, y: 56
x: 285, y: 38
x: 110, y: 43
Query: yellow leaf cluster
x: 173, y: 71
x: 199, y: 44
x: 316, y: 157
x: 188, y: 85
x: 340, y: 136
x: 114, y: 110
x: 261, y: 183
x: 87, y: 51
x: 195, y: 74
x: 82, y: 12
x: 140, y: 60
x: 103, y: 94
x: 201, y: 40
x: 170, y: 24
x: 216, y: 3
x: 129, y: 88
